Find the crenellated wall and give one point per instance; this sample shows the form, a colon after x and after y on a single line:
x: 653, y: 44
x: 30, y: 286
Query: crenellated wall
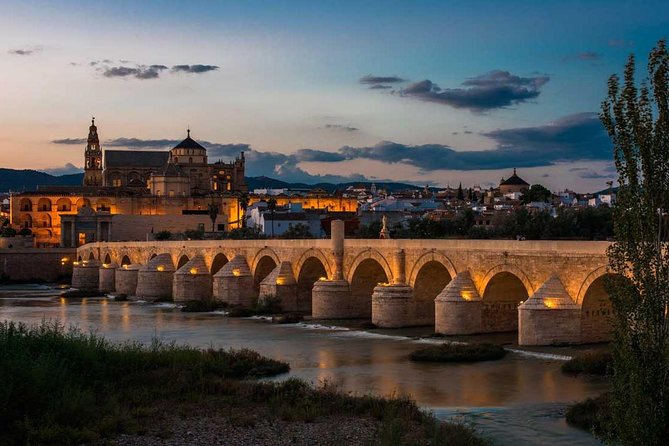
x: 505, y: 273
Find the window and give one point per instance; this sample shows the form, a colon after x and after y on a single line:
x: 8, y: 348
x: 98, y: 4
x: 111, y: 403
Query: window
x: 190, y: 160
x: 116, y: 182
x: 200, y: 227
x: 171, y: 193
x: 221, y: 227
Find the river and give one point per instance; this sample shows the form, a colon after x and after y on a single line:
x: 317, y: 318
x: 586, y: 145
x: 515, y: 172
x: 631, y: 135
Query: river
x: 520, y: 399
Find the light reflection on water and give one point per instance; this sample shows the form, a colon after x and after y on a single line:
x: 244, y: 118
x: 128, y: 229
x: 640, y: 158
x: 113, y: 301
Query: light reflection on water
x: 517, y: 400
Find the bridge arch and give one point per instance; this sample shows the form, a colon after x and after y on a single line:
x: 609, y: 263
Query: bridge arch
x: 370, y: 254
x: 125, y: 260
x: 91, y: 255
x: 503, y: 289
x: 264, y: 266
x: 428, y: 279
x: 218, y: 262
x: 596, y: 307
x: 265, y: 252
x: 365, y: 275
x: 108, y: 259
x: 182, y: 259
x: 150, y: 257
x: 432, y: 256
x: 313, y: 254
x: 311, y: 269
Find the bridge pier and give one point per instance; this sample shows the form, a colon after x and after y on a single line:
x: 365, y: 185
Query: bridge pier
x: 192, y: 281
x: 391, y: 306
x: 331, y: 299
x: 458, y: 307
x: 549, y: 316
x: 126, y: 279
x: 107, y: 277
x: 154, y: 280
x: 281, y: 285
x: 233, y: 284
x: 86, y: 275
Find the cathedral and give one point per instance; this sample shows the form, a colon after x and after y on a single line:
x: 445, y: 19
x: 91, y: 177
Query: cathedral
x: 180, y: 172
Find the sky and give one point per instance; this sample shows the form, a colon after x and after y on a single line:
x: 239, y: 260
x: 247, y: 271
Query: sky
x: 428, y: 92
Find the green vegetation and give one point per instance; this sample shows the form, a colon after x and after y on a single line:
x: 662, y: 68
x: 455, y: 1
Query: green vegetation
x: 193, y: 234
x: 201, y: 306
x: 570, y: 223
x: 162, y: 235
x: 61, y: 386
x: 589, y: 363
x: 459, y: 353
x: 299, y: 230
x: 81, y: 293
x: 637, y: 121
x: 592, y: 414
x: 268, y: 306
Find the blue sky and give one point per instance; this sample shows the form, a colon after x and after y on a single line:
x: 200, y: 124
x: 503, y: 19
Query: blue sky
x: 425, y: 91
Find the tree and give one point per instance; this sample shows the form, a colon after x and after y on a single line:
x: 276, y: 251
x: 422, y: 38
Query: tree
x: 461, y: 194
x: 299, y: 230
x: 244, y: 204
x: 637, y: 120
x: 271, y: 205
x: 536, y: 192
x: 213, y: 214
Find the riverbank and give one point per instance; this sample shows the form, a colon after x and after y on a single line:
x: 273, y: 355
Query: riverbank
x: 63, y: 386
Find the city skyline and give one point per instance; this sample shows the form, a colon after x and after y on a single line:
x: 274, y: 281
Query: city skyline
x: 421, y: 92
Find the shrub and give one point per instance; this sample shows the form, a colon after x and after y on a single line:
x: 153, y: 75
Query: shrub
x: 591, y: 414
x: 7, y: 232
x: 25, y: 232
x: 162, y: 235
x: 200, y: 306
x: 459, y: 353
x: 589, y: 363
x: 194, y: 234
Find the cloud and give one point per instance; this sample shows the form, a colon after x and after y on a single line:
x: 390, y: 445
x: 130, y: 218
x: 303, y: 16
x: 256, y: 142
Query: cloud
x: 573, y: 138
x: 193, y: 68
x: 621, y: 43
x: 67, y: 169
x: 144, y: 72
x: 592, y: 175
x: 70, y: 141
x: 29, y: 51
x: 379, y: 87
x: 373, y: 80
x: 496, y: 89
x: 588, y: 55
x: 138, y: 72
x: 344, y: 128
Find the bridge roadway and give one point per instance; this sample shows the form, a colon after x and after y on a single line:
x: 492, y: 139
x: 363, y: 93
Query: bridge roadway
x: 549, y: 291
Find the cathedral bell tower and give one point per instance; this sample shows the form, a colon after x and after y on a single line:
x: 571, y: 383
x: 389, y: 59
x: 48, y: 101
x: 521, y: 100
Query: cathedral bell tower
x: 93, y: 158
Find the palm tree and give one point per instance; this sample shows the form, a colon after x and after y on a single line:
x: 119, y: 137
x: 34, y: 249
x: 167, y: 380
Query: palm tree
x: 244, y: 203
x: 271, y: 205
x: 213, y: 214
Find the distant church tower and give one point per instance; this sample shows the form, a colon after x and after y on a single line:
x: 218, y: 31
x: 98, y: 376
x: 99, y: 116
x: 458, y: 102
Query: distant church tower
x: 93, y: 158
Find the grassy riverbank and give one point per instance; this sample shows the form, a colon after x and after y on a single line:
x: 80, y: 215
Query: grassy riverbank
x: 60, y: 386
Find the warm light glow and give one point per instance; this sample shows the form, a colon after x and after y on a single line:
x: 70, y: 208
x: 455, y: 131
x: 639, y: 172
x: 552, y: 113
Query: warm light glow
x: 65, y: 259
x: 466, y: 295
x: 105, y: 265
x: 322, y: 279
x: 160, y: 268
x: 551, y: 303
x: 280, y: 281
x: 236, y: 272
x: 125, y: 266
x: 193, y: 270
x: 75, y: 263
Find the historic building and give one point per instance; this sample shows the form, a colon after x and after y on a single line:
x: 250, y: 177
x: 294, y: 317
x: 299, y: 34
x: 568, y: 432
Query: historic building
x: 132, y: 194
x: 513, y: 184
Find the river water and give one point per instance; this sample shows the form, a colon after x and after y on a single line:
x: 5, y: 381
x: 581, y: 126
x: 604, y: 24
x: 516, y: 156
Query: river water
x: 520, y: 399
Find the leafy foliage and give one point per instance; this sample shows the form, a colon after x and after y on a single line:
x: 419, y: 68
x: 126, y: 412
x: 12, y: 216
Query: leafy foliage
x: 589, y: 363
x: 299, y: 230
x: 637, y: 120
x: 163, y: 235
x: 536, y: 192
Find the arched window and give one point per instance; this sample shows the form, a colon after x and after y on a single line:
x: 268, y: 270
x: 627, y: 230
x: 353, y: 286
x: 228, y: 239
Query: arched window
x: 190, y: 160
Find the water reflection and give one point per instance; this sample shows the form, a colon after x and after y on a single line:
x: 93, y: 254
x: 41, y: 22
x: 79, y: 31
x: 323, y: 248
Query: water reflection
x: 497, y: 395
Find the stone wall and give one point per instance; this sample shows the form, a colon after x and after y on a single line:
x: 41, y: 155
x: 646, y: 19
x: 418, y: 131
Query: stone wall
x: 143, y: 227
x: 36, y: 264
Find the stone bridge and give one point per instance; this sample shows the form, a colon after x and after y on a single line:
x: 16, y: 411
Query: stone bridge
x: 549, y: 291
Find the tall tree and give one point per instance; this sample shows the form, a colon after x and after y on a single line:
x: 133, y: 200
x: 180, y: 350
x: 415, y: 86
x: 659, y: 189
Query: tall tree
x: 461, y: 194
x: 637, y: 120
x: 271, y: 205
x: 213, y: 214
x: 244, y: 204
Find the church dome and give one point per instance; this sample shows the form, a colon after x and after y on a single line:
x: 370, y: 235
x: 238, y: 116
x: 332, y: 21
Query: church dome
x: 190, y: 144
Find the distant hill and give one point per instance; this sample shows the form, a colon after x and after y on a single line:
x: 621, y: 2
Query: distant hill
x: 26, y: 180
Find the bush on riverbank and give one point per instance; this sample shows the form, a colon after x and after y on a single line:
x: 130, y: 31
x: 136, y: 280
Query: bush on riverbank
x: 201, y: 306
x: 591, y: 414
x: 459, y: 353
x: 589, y: 363
x: 61, y: 386
x: 270, y: 305
x: 81, y: 293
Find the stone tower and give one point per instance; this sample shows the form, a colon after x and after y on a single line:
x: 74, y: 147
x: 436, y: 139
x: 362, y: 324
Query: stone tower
x: 93, y: 158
